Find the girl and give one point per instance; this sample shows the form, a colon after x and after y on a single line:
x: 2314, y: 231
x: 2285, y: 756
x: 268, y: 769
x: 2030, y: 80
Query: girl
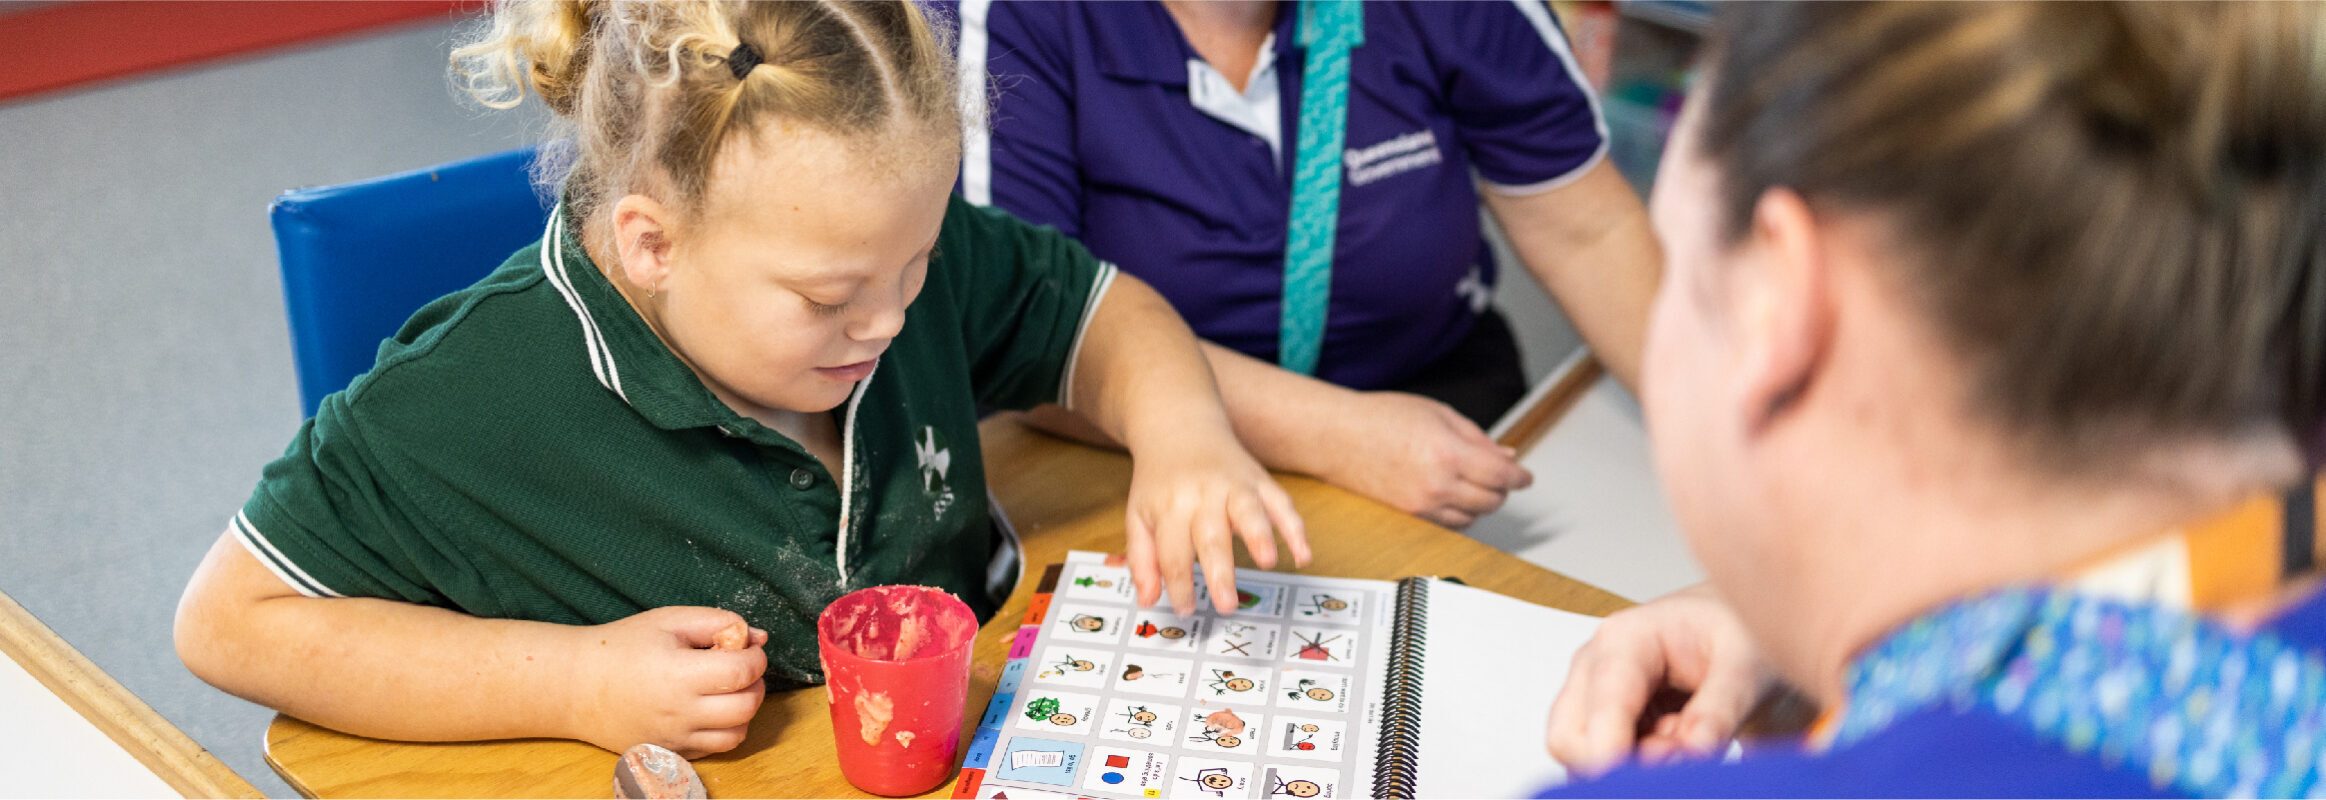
x: 701, y: 398
x: 1968, y: 299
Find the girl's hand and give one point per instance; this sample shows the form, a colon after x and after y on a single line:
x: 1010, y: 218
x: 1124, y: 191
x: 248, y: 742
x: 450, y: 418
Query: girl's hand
x: 1191, y: 498
x: 655, y: 677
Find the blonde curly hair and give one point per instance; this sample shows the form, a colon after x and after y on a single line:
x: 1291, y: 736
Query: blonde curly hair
x: 647, y: 92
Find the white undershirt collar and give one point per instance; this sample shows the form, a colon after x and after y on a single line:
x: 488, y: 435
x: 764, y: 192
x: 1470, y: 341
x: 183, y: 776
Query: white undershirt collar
x: 1255, y: 110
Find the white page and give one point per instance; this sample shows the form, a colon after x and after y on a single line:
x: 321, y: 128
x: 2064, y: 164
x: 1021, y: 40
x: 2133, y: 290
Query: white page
x: 53, y: 751
x: 1492, y: 667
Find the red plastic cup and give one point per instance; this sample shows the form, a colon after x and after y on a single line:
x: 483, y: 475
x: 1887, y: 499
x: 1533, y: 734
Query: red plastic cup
x: 896, y: 670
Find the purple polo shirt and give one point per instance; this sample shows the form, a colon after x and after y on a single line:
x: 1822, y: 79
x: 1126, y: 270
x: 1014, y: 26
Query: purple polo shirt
x: 1107, y: 125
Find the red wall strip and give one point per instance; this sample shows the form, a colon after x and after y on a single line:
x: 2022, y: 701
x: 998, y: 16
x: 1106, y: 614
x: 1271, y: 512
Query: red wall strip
x: 47, y: 48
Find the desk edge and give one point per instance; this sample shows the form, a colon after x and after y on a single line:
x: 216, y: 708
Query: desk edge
x: 1543, y: 407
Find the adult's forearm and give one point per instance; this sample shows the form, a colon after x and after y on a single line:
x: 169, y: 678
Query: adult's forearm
x: 1288, y: 420
x: 1591, y: 246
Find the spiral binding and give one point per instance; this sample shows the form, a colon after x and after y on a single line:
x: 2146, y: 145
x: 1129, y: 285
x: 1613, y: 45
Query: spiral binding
x: 1396, y: 759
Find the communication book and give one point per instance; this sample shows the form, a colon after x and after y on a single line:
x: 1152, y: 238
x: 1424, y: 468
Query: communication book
x: 1313, y: 688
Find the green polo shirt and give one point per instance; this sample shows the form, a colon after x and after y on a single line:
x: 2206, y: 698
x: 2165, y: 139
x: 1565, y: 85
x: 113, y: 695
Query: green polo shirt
x: 526, y: 448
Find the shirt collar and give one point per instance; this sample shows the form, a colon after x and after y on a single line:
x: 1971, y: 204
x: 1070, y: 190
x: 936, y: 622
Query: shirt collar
x: 2210, y: 711
x: 625, y: 355
x: 1146, y: 45
x: 1945, y: 651
x: 1256, y: 110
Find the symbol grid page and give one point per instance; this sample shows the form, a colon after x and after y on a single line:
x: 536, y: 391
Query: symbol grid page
x: 1205, y: 706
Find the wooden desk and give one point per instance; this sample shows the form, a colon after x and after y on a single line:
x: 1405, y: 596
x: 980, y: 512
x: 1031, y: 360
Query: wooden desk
x: 1061, y: 497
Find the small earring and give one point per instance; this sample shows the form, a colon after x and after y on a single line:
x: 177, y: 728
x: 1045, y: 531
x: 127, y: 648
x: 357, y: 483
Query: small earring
x: 650, y: 292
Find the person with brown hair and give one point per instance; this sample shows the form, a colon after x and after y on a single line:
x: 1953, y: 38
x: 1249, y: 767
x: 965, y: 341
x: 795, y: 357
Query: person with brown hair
x: 1966, y: 300
x: 740, y: 375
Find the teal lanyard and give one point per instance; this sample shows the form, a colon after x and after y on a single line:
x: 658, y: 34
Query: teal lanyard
x: 1329, y: 29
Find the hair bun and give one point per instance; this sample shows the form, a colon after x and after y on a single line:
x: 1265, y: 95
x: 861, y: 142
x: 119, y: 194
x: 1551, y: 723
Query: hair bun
x: 541, y: 46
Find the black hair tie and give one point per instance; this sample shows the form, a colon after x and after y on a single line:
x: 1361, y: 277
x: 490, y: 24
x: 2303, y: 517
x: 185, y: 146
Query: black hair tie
x: 743, y: 59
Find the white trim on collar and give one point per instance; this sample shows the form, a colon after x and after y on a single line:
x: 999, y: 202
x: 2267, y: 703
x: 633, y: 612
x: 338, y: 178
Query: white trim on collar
x: 553, y: 268
x: 848, y: 471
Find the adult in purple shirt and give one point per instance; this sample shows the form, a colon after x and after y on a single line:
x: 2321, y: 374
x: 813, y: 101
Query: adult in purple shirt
x: 1163, y: 135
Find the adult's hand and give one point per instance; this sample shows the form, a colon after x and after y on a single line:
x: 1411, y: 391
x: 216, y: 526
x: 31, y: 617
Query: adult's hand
x: 1421, y: 457
x: 1670, y: 679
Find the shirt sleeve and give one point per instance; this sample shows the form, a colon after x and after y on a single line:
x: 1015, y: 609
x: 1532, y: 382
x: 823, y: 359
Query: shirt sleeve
x: 325, y: 521
x: 1023, y: 160
x: 1527, y: 118
x: 1024, y: 295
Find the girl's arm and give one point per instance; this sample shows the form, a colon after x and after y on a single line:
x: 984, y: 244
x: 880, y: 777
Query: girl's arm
x: 1142, y: 380
x: 1410, y: 452
x: 396, y: 670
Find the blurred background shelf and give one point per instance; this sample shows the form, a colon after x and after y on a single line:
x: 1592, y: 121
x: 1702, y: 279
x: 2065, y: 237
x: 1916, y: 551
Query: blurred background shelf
x: 1641, y: 56
x: 1689, y: 16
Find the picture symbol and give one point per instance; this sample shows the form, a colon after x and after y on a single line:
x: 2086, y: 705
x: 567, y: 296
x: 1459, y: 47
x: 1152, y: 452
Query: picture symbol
x: 1214, y: 781
x: 1321, y: 604
x: 1307, y: 688
x: 1277, y: 785
x: 1316, y: 647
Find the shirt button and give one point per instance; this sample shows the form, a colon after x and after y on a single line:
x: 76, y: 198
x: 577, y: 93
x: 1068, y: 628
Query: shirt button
x: 801, y: 479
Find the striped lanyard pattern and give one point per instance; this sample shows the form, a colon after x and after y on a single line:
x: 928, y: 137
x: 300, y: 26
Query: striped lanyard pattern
x: 1329, y: 29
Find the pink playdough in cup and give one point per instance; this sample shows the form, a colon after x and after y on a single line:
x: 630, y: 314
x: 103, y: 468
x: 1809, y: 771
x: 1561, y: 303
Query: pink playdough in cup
x: 896, y: 670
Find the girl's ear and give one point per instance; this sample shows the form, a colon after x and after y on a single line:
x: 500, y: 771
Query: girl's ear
x: 1787, y: 314
x: 642, y: 241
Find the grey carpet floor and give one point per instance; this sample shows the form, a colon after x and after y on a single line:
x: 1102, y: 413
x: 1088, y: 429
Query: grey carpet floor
x: 145, y: 365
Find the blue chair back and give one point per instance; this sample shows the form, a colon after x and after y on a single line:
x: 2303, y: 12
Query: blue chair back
x: 359, y: 258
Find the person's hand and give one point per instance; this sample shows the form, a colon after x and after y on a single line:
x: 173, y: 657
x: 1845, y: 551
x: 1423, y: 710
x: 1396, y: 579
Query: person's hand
x: 1191, y: 499
x: 655, y: 677
x: 1420, y: 457
x: 1669, y: 679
